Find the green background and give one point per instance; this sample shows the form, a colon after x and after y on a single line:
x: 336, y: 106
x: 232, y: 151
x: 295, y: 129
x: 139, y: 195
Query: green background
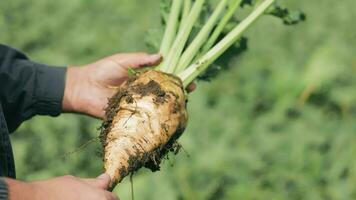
x: 280, y: 124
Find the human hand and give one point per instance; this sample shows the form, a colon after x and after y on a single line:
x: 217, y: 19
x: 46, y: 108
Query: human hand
x: 89, y: 87
x: 66, y: 187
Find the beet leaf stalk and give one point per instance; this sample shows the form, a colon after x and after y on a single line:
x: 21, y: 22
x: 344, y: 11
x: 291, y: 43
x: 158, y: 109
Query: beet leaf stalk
x: 182, y: 59
x: 197, y: 68
x: 175, y: 52
x: 171, y: 28
x: 199, y: 40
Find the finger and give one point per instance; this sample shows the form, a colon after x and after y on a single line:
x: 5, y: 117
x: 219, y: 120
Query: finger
x: 191, y: 87
x: 111, y: 196
x: 101, y: 182
x: 137, y: 60
x: 120, y: 56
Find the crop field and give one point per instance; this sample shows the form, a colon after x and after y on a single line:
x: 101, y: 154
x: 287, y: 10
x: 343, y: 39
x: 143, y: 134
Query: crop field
x: 279, y: 124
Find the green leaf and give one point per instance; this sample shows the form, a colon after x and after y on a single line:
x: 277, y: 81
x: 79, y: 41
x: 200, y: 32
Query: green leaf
x: 223, y: 63
x: 165, y: 9
x: 153, y: 39
x: 246, y: 2
x: 288, y: 17
x: 132, y: 72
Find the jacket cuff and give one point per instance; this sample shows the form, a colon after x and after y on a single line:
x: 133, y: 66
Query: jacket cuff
x: 49, y: 90
x: 3, y: 190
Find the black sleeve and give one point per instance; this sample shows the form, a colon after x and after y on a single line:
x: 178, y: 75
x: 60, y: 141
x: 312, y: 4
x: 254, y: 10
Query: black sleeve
x: 3, y: 190
x: 28, y: 88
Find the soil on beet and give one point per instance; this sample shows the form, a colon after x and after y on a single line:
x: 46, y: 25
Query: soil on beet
x: 150, y: 160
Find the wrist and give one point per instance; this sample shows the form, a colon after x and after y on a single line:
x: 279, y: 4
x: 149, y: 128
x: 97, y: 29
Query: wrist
x: 71, y: 93
x: 18, y: 190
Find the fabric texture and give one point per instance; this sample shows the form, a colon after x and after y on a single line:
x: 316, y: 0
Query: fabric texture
x: 27, y: 89
x: 3, y: 190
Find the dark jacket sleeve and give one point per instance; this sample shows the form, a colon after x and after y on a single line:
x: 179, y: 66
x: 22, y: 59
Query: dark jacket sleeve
x: 28, y: 88
x: 3, y: 190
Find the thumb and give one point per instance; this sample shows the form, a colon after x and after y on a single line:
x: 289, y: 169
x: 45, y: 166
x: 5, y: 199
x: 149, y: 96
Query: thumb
x: 101, y: 182
x: 136, y: 60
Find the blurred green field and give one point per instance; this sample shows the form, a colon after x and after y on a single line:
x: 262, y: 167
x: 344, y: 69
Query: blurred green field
x: 280, y: 124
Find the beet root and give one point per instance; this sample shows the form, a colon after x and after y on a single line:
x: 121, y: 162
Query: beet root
x: 143, y: 121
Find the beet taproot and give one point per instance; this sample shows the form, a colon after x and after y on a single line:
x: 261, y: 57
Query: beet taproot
x: 143, y: 121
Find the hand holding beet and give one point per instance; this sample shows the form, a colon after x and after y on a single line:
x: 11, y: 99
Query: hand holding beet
x: 89, y: 87
x: 147, y: 113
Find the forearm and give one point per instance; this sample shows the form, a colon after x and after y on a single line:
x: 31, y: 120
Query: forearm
x: 73, y: 86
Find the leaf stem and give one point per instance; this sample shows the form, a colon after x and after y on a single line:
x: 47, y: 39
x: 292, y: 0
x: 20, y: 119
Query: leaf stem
x: 202, y: 36
x: 203, y: 63
x: 186, y: 10
x: 171, y: 61
x: 218, y: 30
x: 171, y: 28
